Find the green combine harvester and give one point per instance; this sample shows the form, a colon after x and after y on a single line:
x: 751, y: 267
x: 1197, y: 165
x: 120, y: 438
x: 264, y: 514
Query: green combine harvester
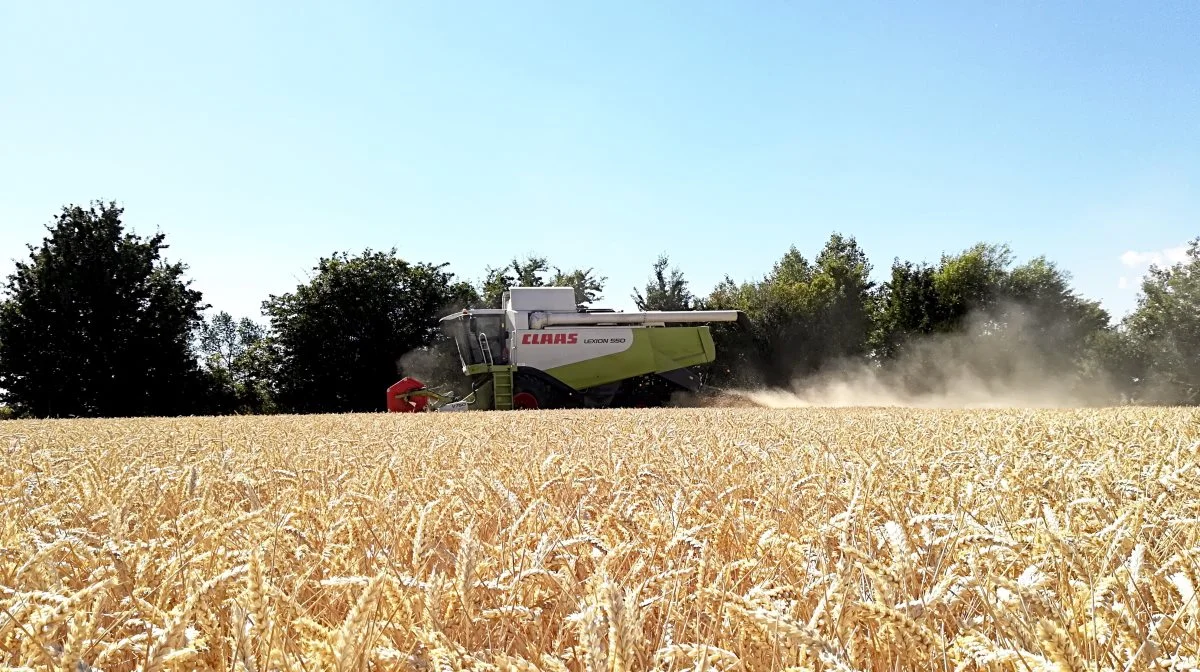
x: 542, y: 351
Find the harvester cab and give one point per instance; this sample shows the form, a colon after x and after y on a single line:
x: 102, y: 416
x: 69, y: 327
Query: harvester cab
x: 542, y: 350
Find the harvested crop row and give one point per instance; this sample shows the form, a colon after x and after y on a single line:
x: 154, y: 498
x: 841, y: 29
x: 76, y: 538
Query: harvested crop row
x: 623, y: 540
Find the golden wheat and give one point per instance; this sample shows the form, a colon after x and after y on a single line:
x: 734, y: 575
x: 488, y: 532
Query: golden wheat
x: 750, y: 539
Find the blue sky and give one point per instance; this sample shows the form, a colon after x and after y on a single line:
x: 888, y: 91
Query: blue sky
x: 262, y: 136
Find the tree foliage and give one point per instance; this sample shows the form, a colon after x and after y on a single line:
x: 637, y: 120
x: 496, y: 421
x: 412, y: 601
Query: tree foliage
x: 532, y: 272
x: 805, y: 314
x: 1163, y: 334
x: 238, y: 360
x: 587, y: 285
x: 97, y: 323
x: 664, y: 292
x: 517, y: 273
x: 909, y: 307
x: 338, y: 339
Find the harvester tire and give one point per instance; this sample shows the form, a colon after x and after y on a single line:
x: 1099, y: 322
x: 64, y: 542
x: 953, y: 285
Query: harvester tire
x: 531, y: 390
x: 649, y: 391
x: 525, y: 401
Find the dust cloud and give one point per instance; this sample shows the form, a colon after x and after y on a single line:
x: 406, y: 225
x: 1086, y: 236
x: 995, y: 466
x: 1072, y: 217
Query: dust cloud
x: 423, y: 365
x: 1017, y: 362
x: 436, y: 366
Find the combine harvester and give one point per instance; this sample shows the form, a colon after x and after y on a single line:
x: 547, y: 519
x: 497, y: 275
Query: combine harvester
x: 542, y: 351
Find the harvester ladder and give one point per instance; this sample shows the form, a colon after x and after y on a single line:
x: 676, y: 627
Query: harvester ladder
x: 485, y: 348
x: 502, y: 388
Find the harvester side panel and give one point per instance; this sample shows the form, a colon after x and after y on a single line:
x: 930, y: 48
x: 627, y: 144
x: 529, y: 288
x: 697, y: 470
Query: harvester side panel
x: 649, y: 351
x: 680, y: 347
x: 547, y: 349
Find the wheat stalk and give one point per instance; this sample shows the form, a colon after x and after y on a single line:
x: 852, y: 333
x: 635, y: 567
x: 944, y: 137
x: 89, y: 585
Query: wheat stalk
x: 716, y: 539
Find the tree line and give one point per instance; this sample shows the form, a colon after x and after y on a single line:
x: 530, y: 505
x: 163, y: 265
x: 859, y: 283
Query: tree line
x: 96, y: 322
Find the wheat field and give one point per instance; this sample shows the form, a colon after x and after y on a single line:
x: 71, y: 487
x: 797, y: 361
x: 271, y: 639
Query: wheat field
x: 720, y: 539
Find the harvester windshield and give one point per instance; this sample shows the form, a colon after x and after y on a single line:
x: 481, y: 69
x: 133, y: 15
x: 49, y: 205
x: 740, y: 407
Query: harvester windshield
x: 479, y: 335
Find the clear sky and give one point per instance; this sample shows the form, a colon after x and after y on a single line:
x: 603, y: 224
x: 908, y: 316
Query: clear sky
x: 260, y: 136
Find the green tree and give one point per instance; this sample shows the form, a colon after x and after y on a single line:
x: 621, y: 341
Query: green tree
x: 805, y: 316
x: 792, y: 268
x: 237, y: 357
x: 97, y: 323
x: 970, y: 282
x: 1164, y: 332
x: 1115, y: 356
x: 338, y: 340
x: 973, y: 314
x: 588, y: 287
x: 741, y: 355
x: 517, y: 273
x: 664, y: 292
x: 919, y: 300
x: 1052, y: 317
x: 847, y: 318
x: 529, y: 273
x: 908, y: 308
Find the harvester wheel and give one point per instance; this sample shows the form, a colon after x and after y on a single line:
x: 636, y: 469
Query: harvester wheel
x: 525, y: 401
x: 531, y: 392
x: 644, y: 392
